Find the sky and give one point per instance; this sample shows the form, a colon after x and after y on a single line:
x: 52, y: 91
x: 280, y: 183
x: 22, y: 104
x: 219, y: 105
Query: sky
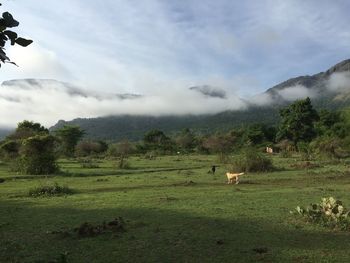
x: 161, y: 48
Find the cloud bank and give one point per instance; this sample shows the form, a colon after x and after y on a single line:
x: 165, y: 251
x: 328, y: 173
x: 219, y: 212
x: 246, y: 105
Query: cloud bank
x: 47, y: 101
x: 339, y: 82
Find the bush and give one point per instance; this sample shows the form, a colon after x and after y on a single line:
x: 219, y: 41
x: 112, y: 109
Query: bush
x: 50, y: 190
x: 9, y: 149
x: 306, y: 153
x: 88, y: 163
x: 88, y: 148
x: 251, y: 161
x: 330, y: 212
x: 330, y: 147
x: 224, y: 158
x: 123, y: 163
x: 37, y: 155
x: 285, y: 154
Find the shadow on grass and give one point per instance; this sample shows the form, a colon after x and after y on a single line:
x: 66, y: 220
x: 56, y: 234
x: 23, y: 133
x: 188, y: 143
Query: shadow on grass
x: 102, y: 173
x: 155, y: 235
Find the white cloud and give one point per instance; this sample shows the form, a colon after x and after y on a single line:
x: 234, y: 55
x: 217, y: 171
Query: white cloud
x: 339, y: 82
x: 262, y: 99
x: 296, y: 92
x: 34, y: 62
x: 160, y: 48
x: 50, y: 101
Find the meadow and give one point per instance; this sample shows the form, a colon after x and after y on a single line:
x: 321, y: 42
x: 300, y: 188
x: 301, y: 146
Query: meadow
x: 173, y: 211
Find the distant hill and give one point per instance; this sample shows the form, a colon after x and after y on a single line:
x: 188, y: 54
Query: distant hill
x: 329, y: 89
x: 134, y: 127
x: 321, y: 87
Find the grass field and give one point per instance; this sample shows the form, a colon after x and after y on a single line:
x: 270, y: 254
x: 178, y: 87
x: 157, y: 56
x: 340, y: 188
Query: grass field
x: 174, y: 211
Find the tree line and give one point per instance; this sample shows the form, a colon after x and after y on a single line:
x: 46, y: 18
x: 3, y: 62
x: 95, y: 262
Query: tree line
x: 35, y: 150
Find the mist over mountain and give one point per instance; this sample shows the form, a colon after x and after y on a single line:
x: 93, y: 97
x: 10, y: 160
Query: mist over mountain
x: 210, y: 91
x: 203, y: 108
x: 65, y: 87
x: 329, y: 89
x: 332, y: 85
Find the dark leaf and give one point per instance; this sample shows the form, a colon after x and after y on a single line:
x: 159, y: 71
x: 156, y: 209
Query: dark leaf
x: 9, y: 20
x: 23, y: 42
x: 12, y: 63
x: 3, y: 56
x: 11, y: 35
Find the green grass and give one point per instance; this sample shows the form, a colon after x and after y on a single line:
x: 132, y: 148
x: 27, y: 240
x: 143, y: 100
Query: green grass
x: 175, y: 211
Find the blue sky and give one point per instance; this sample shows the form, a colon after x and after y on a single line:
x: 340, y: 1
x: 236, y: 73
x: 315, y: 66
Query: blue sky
x: 152, y: 46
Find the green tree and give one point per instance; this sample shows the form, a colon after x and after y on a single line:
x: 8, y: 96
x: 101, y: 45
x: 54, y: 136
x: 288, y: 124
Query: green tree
x: 86, y: 148
x: 186, y: 140
x: 217, y: 143
x: 7, y: 21
x: 69, y: 137
x: 37, y: 155
x: 26, y: 129
x: 297, y: 122
x: 9, y: 149
x: 157, y: 140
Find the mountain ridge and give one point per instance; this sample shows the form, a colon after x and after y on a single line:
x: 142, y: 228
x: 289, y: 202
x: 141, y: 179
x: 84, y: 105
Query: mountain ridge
x: 317, y: 86
x: 133, y: 127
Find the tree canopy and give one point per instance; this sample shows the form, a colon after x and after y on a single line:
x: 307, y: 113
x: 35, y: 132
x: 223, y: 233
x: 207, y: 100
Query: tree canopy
x: 297, y: 122
x: 69, y: 136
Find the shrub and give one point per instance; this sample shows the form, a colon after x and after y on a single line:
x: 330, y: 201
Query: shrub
x: 330, y: 212
x: 37, y: 155
x: 50, y: 190
x: 10, y: 149
x: 123, y: 163
x: 88, y: 163
x: 285, y: 154
x: 306, y: 153
x: 152, y: 155
x: 251, y: 161
x: 330, y: 147
x: 224, y: 158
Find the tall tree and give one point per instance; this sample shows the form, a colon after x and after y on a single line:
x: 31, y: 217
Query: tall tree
x: 157, y: 140
x: 7, y: 21
x: 297, y: 122
x: 26, y: 129
x: 186, y: 140
x: 69, y: 137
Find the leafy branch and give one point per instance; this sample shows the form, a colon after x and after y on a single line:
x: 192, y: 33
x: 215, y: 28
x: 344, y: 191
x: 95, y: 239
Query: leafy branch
x: 7, y: 21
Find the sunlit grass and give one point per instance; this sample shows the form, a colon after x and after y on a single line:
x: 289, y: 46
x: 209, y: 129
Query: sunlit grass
x: 175, y: 211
